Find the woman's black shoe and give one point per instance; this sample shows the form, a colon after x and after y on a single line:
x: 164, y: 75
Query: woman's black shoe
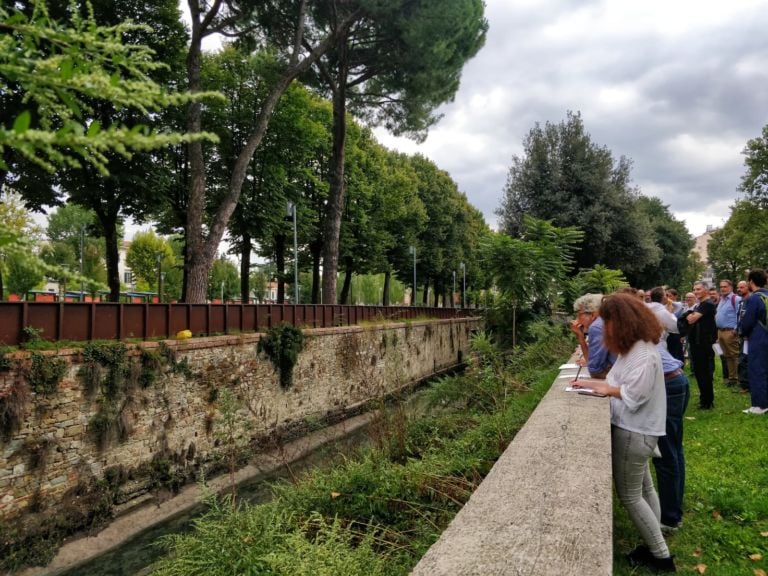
x: 662, y: 564
x: 641, y: 556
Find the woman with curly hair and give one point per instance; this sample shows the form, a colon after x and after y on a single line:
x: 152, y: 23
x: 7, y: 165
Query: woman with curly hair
x: 636, y: 388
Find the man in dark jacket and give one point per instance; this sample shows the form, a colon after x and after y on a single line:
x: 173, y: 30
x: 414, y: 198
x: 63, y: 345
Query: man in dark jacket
x: 702, y: 333
x: 755, y: 333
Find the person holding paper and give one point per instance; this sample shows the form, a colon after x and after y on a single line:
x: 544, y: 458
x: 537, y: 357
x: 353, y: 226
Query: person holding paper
x: 636, y: 388
x: 588, y: 327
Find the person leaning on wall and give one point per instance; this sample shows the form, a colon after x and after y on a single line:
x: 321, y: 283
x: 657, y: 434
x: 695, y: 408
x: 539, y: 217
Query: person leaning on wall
x: 636, y: 388
x: 588, y: 327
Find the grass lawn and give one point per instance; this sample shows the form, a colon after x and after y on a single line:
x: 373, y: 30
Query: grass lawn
x: 725, y: 525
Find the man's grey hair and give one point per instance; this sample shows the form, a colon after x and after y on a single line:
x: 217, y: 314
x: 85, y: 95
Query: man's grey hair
x: 588, y: 303
x: 701, y: 283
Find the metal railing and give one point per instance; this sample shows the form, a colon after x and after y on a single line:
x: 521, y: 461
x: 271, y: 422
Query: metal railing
x: 117, y: 321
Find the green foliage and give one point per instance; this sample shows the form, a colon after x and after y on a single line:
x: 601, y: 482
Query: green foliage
x: 45, y: 372
x: 113, y: 357
x: 23, y: 274
x: 597, y: 280
x: 755, y: 181
x: 672, y: 238
x: 106, y: 369
x: 223, y: 272
x: 147, y: 254
x: 282, y: 345
x: 62, y: 70
x: 566, y: 178
x: 740, y: 244
x: 531, y: 268
x: 151, y: 367
x: 177, y: 366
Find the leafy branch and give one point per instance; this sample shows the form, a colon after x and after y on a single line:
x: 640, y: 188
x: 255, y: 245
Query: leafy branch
x: 61, y: 69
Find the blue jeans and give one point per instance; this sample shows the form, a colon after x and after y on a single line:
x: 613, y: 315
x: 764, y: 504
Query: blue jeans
x: 670, y: 468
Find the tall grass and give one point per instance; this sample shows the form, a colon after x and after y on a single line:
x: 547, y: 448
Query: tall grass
x: 379, y: 513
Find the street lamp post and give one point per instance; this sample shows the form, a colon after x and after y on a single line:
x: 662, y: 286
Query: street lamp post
x: 292, y: 212
x: 412, y: 250
x: 222, y: 291
x: 463, y: 285
x: 82, y: 242
x: 453, y: 294
x: 159, y: 277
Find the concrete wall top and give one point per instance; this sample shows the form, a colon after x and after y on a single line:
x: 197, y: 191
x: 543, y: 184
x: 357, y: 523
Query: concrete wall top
x: 546, y: 506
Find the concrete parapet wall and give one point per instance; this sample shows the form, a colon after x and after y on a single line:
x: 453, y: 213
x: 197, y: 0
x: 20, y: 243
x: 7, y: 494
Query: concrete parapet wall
x: 52, y: 459
x: 546, y: 506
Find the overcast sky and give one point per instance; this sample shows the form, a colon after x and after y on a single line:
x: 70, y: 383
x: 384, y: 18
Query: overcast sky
x: 678, y: 86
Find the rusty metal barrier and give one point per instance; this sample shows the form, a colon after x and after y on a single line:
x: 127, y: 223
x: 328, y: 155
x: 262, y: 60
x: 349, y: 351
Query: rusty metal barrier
x: 119, y: 321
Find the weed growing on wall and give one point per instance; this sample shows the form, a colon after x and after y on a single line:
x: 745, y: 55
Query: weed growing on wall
x: 45, y: 372
x: 282, y: 345
x: 177, y: 366
x: 13, y: 403
x: 5, y: 361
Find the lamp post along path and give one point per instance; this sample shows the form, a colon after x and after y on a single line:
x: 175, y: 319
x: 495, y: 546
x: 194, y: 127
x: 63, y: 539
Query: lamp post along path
x: 292, y: 212
x: 412, y: 250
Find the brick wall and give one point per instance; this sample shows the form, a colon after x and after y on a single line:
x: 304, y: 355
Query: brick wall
x: 173, y: 426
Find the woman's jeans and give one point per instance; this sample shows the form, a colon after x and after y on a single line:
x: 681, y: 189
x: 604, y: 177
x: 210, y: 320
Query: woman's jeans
x: 634, y: 486
x: 670, y: 468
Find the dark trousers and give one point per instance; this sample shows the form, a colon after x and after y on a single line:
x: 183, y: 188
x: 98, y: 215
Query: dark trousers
x: 743, y: 378
x: 670, y: 468
x: 703, y: 360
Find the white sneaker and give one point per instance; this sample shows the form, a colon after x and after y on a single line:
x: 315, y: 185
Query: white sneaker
x: 755, y: 410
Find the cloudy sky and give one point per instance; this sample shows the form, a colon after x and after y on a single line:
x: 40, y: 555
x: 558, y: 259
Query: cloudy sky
x: 678, y: 86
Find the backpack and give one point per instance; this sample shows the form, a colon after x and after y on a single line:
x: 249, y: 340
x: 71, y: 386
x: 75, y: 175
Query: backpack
x: 764, y: 298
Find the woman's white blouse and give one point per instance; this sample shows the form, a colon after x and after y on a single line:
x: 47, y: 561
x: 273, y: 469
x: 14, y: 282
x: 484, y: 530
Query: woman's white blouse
x: 642, y: 407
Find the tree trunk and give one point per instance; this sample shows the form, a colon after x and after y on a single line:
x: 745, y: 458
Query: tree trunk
x: 315, y: 249
x: 425, y: 296
x: 436, y: 295
x: 344, y: 297
x: 245, y: 269
x: 109, y: 224
x: 280, y: 265
x: 385, y: 295
x: 335, y: 205
x: 202, y: 250
x: 196, y: 279
x: 2, y: 289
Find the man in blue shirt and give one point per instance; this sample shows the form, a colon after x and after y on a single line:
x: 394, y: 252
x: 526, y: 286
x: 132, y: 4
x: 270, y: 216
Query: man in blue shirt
x: 725, y: 319
x: 588, y: 327
x: 755, y: 332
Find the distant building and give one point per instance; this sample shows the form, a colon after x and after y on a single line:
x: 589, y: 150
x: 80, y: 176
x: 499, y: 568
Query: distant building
x: 701, y: 248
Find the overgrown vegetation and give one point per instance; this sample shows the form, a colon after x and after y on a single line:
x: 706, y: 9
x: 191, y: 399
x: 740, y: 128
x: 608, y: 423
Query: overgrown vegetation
x: 45, y: 372
x: 13, y: 402
x: 282, y: 345
x: 378, y: 514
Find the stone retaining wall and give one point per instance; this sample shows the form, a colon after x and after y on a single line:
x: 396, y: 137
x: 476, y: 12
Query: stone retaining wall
x: 168, y: 431
x: 546, y: 506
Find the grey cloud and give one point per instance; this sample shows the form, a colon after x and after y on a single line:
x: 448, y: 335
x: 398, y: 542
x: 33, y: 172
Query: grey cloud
x: 699, y: 84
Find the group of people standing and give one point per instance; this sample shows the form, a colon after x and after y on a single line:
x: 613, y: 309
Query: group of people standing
x: 632, y: 344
